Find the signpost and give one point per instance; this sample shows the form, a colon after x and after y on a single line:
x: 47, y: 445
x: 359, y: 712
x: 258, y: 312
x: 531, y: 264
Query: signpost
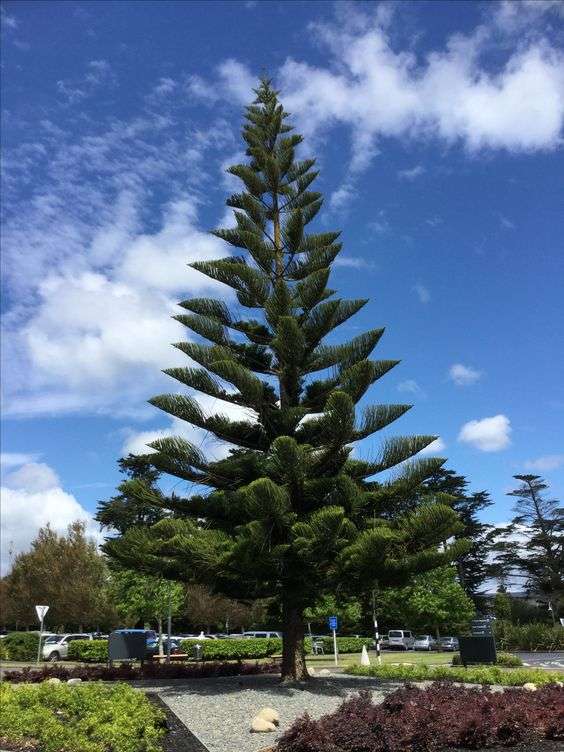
x: 40, y: 611
x: 333, y: 625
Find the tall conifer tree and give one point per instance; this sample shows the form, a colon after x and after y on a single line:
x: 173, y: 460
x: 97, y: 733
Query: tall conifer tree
x: 289, y: 513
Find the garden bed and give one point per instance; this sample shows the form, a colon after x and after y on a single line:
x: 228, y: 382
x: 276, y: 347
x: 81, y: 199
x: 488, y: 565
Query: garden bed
x: 508, y: 677
x: 440, y: 718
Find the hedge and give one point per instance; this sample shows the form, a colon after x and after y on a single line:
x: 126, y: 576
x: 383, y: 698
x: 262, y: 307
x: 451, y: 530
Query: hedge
x: 503, y: 659
x: 233, y: 649
x: 20, y: 646
x: 515, y: 677
x: 83, y: 718
x: 347, y: 644
x: 89, y: 651
x: 528, y: 636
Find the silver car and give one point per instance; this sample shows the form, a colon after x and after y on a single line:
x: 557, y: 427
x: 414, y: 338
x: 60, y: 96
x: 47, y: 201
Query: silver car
x: 400, y: 639
x: 56, y: 647
x: 424, y: 642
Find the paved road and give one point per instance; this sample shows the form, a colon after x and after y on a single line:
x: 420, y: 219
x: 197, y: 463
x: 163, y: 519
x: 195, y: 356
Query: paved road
x: 554, y: 660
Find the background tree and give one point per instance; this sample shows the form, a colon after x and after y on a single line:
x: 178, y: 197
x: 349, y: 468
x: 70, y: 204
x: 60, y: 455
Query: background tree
x: 147, y: 599
x: 288, y: 515
x: 433, y: 600
x: 472, y: 566
x: 65, y: 572
x: 531, y: 548
x: 209, y: 611
x: 348, y: 612
x: 502, y: 606
x: 124, y: 511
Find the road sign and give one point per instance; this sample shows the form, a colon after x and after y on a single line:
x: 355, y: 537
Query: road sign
x: 41, y: 611
x: 333, y: 623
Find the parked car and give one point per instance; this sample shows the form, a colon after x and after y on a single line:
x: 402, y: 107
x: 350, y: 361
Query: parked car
x: 56, y: 647
x: 263, y: 634
x: 449, y: 644
x: 424, y: 642
x: 400, y: 639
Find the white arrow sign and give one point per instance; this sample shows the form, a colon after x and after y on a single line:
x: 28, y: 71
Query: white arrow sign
x: 41, y: 611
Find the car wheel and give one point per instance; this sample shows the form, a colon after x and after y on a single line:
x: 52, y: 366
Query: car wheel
x: 53, y: 657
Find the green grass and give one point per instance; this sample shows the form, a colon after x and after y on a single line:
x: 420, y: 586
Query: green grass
x: 472, y: 675
x: 388, y: 657
x: 83, y: 718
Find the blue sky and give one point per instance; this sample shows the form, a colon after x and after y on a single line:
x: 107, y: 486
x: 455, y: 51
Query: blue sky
x: 438, y: 130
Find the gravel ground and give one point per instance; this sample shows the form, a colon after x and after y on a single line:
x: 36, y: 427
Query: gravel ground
x: 219, y: 711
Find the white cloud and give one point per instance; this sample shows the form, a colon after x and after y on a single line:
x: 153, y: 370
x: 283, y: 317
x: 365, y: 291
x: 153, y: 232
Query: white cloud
x: 434, y: 447
x: 506, y: 223
x: 32, y: 477
x: 464, y: 375
x: 8, y: 22
x: 412, y: 173
x: 13, y: 459
x: 409, y: 386
x: 353, y: 262
x: 422, y: 293
x: 546, y: 463
x: 488, y: 434
x: 30, y: 499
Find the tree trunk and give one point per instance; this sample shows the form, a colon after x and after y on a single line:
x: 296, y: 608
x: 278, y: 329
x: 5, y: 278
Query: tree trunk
x: 293, y: 654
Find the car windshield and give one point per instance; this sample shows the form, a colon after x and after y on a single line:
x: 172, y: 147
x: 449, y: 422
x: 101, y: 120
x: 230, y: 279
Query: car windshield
x: 395, y: 633
x: 421, y: 637
x: 53, y: 638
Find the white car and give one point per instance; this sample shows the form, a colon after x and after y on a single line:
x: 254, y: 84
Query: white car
x: 56, y: 647
x: 263, y: 634
x: 400, y: 639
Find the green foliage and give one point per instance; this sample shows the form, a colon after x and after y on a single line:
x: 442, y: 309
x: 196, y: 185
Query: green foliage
x: 85, y: 718
x: 349, y: 612
x: 508, y: 660
x: 289, y: 515
x: 434, y: 600
x: 347, y: 644
x: 89, y: 651
x: 472, y: 675
x: 4, y: 655
x: 141, y: 597
x: 21, y: 646
x: 65, y: 571
x: 529, y: 636
x: 233, y: 649
x: 502, y: 606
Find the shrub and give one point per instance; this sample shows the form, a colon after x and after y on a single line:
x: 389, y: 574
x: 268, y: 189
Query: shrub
x: 347, y: 644
x: 4, y: 656
x: 440, y: 717
x: 129, y: 672
x: 233, y: 649
x: 471, y: 675
x: 21, y: 646
x: 89, y: 651
x: 90, y: 718
x: 528, y: 636
x: 503, y: 659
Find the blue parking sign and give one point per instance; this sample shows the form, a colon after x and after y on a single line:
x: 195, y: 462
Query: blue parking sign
x: 332, y: 620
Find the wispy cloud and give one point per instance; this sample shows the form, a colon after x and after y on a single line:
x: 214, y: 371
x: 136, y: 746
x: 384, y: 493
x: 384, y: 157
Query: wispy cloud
x: 422, y: 293
x: 409, y: 386
x: 412, y: 173
x: 546, y: 463
x: 464, y: 375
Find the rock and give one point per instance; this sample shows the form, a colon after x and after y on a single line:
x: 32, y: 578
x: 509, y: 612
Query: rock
x: 54, y: 680
x: 269, y: 714
x: 530, y: 687
x: 260, y: 726
x: 324, y: 672
x: 311, y: 672
x: 74, y: 681
x: 559, y: 683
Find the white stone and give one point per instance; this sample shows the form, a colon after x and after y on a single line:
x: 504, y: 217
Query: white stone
x: 269, y: 714
x: 76, y: 680
x: 54, y: 680
x: 530, y: 687
x: 260, y: 726
x: 324, y: 672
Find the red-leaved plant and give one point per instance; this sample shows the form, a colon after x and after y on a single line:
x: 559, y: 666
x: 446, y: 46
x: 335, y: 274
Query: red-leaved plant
x: 441, y: 717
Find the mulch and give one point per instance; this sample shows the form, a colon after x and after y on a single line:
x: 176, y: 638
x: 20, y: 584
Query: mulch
x: 178, y: 738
